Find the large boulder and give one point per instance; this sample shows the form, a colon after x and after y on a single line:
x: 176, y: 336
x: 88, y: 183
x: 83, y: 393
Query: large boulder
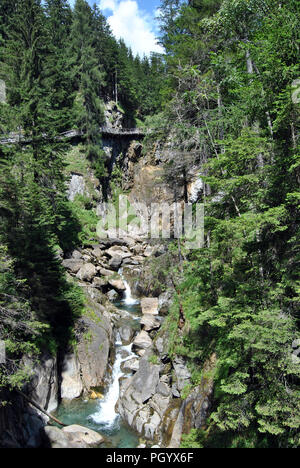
x: 115, y: 262
x: 87, y: 272
x: 71, y: 383
x: 117, y: 284
x: 145, y: 380
x: 83, y: 434
x: 142, y: 341
x: 126, y: 334
x: 150, y: 322
x: 122, y: 252
x: 71, y: 437
x: 131, y: 365
x: 73, y: 264
x: 149, y: 305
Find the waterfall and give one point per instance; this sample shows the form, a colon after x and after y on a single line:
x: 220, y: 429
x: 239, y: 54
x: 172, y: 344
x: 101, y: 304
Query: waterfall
x: 128, y: 299
x: 106, y: 415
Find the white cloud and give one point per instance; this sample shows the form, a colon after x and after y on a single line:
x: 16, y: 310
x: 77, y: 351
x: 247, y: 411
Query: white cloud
x: 128, y: 22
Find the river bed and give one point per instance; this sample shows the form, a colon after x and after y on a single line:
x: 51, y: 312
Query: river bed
x: 100, y: 414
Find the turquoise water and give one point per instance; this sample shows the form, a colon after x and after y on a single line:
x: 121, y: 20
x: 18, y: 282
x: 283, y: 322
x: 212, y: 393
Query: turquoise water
x: 99, y: 415
x: 80, y: 411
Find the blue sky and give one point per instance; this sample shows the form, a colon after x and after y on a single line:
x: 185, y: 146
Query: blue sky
x: 132, y: 20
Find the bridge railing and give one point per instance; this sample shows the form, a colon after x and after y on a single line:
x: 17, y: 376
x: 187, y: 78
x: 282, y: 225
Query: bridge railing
x: 15, y: 137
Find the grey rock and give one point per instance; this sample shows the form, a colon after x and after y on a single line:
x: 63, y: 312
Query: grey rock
x: 183, y: 375
x: 163, y: 389
x: 100, y: 283
x: 87, y: 272
x: 131, y: 365
x: 115, y: 262
x: 117, y: 284
x: 112, y: 295
x: 142, y: 340
x: 150, y: 322
x: 71, y: 384
x: 126, y: 334
x: 72, y: 265
x: 149, y: 305
x: 85, y: 435
x: 146, y: 380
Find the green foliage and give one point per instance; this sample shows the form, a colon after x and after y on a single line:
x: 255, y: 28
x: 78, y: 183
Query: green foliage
x: 230, y: 105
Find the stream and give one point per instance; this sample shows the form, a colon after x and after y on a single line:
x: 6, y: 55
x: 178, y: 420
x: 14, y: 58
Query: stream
x: 100, y: 415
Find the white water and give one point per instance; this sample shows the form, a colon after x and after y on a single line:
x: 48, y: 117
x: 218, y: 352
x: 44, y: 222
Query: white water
x: 107, y: 415
x: 128, y: 299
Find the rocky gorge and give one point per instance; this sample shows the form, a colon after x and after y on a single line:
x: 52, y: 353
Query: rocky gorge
x: 152, y: 393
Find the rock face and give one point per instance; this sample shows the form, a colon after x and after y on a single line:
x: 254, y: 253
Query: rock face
x: 20, y: 423
x: 194, y: 409
x: 43, y: 386
x: 76, y: 186
x: 85, y: 368
x: 71, y: 383
x: 94, y: 346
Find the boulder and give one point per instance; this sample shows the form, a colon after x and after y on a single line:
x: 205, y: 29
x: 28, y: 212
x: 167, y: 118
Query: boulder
x: 132, y: 365
x: 149, y: 322
x: 146, y: 380
x: 76, y: 255
x: 112, y: 295
x: 115, y: 262
x: 57, y: 439
x: 149, y: 305
x: 71, y: 384
x: 122, y: 252
x: 99, y: 283
x: 87, y: 272
x: 105, y: 272
x: 126, y: 334
x: 85, y: 435
x: 73, y: 264
x: 117, y: 283
x: 142, y: 340
x: 97, y: 253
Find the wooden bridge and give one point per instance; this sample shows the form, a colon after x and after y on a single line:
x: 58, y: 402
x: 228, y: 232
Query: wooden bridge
x: 14, y: 137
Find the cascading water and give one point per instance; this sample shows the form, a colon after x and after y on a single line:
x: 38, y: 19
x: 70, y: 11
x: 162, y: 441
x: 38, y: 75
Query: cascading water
x: 128, y: 299
x: 101, y: 415
x: 107, y: 415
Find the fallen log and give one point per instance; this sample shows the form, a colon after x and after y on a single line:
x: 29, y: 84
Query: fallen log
x: 41, y: 409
